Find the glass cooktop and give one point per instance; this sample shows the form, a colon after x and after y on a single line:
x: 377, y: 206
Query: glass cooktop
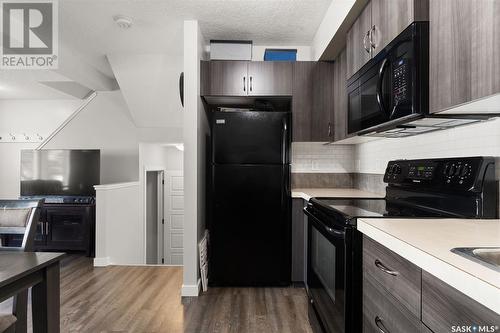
x: 376, y: 207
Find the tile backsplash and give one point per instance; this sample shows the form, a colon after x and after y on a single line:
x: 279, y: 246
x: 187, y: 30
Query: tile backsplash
x: 313, y: 157
x: 366, y: 162
x: 472, y: 140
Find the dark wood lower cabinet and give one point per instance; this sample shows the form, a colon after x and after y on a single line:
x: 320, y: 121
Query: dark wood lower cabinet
x: 444, y: 307
x: 383, y: 313
x: 403, y: 280
x: 66, y: 228
x: 299, y: 224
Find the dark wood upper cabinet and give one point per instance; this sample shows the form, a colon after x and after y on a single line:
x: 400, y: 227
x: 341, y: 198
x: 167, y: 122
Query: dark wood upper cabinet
x: 358, y: 43
x: 246, y: 78
x: 485, y: 71
x: 302, y: 100
x: 391, y: 17
x: 340, y: 98
x: 270, y: 78
x: 309, y: 85
x: 377, y: 25
x: 224, y: 78
x: 464, y: 51
x: 322, y: 102
x: 312, y: 101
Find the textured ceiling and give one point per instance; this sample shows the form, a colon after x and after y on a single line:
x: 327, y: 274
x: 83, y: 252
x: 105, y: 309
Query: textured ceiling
x: 87, y: 25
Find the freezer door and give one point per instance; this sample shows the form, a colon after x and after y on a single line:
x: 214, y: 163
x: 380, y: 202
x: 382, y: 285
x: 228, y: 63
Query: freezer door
x: 250, y: 228
x: 251, y: 137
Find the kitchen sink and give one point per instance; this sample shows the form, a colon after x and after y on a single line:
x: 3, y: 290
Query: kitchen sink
x: 487, y: 256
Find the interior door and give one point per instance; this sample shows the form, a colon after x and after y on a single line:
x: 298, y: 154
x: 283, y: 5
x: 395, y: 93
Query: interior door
x: 174, y: 217
x: 227, y: 78
x: 270, y: 78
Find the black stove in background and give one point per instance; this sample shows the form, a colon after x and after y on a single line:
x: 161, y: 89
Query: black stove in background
x: 428, y: 188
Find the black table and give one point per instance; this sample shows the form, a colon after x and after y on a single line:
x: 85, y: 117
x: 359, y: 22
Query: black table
x: 39, y: 270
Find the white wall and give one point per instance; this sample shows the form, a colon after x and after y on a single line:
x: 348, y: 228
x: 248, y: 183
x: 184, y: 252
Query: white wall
x: 332, y: 20
x: 106, y: 125
x: 303, y: 51
x: 26, y: 116
x: 118, y: 221
x: 195, y: 127
x: 161, y: 155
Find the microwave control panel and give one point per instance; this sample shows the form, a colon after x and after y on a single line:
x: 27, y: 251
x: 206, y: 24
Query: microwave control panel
x: 400, y: 81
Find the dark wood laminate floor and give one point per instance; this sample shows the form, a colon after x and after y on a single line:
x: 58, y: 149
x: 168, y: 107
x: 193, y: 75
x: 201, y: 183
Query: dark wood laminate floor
x: 147, y: 299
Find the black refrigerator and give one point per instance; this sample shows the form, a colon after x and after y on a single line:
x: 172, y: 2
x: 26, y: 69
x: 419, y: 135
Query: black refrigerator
x: 250, y: 199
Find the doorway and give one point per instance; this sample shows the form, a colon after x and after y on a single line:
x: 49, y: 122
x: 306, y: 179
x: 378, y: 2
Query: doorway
x: 154, y: 211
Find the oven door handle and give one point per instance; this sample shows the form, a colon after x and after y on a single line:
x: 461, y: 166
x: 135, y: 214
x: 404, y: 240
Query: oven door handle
x: 333, y: 232
x: 380, y: 99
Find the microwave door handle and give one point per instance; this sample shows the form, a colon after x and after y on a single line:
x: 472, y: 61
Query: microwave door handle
x: 394, y: 110
x: 381, y: 72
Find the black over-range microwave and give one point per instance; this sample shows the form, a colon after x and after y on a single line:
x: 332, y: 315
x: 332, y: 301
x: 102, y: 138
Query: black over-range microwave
x: 393, y: 87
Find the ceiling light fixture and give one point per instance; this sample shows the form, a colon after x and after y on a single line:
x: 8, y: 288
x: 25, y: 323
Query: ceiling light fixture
x: 122, y: 21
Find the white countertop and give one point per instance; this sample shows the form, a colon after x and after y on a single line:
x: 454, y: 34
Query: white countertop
x: 427, y: 244
x: 308, y: 193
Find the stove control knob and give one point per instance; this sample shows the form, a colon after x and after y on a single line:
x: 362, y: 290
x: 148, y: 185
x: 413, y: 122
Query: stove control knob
x: 389, y: 169
x: 450, y: 170
x: 396, y: 169
x: 465, y: 171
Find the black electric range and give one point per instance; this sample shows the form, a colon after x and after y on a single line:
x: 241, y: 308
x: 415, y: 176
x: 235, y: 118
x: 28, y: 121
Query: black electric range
x: 445, y: 188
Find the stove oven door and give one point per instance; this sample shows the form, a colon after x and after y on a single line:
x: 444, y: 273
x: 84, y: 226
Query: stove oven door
x: 326, y: 274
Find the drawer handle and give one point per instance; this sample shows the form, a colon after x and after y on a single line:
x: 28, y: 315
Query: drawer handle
x: 384, y: 268
x: 380, y: 325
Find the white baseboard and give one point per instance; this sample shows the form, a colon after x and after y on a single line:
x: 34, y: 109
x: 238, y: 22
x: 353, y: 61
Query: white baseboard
x: 101, y: 262
x: 191, y: 290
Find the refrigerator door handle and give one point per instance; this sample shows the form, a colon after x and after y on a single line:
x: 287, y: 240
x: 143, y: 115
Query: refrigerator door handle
x: 283, y: 143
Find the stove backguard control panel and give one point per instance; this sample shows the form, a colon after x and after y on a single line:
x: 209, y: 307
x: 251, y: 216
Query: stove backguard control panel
x: 465, y: 173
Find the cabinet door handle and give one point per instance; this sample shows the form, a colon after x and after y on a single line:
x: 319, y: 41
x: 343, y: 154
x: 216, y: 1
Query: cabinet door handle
x: 251, y: 87
x: 380, y: 325
x: 372, y: 33
x: 365, y: 38
x: 244, y: 83
x: 329, y: 130
x: 385, y: 269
